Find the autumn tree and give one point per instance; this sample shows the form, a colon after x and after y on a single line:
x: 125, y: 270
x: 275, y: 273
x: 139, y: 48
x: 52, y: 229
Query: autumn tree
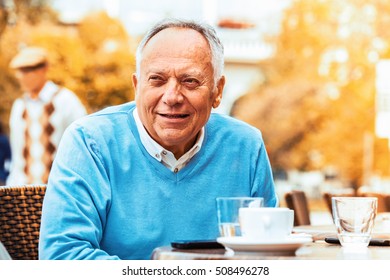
x: 92, y: 58
x: 107, y: 73
x: 21, y: 12
x: 318, y: 103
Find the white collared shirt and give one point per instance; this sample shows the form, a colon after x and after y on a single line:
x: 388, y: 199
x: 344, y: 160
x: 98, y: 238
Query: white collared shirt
x: 163, y: 155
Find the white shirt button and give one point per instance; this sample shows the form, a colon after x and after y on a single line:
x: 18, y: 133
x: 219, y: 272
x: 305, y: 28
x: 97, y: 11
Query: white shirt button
x: 176, y: 170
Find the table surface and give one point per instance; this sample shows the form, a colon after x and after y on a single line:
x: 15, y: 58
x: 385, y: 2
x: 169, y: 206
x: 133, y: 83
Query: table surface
x: 316, y: 250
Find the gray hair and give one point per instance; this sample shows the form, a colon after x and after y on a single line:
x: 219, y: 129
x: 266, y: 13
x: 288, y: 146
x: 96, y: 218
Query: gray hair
x: 204, y: 29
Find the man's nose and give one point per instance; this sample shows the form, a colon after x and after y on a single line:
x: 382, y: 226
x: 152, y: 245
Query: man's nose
x: 172, y: 94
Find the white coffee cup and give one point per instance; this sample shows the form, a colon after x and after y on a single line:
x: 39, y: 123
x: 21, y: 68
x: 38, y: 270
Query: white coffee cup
x: 266, y: 223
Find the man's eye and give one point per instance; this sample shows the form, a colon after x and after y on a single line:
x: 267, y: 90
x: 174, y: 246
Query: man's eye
x: 156, y: 80
x: 191, y: 83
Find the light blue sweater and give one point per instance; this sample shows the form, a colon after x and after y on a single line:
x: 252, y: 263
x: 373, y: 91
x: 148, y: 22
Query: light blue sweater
x: 107, y: 198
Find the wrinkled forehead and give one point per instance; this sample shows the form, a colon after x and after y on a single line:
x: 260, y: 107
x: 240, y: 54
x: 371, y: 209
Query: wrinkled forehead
x: 182, y: 41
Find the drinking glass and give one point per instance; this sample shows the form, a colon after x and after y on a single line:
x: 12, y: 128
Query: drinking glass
x: 354, y: 218
x: 227, y: 209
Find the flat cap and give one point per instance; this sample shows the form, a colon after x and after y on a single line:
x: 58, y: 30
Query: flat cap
x: 28, y: 57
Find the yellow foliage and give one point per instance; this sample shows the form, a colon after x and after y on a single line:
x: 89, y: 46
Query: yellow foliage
x: 94, y: 59
x: 319, y: 99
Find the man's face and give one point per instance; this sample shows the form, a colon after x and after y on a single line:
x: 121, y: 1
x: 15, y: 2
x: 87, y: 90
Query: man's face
x: 32, y: 79
x: 175, y: 90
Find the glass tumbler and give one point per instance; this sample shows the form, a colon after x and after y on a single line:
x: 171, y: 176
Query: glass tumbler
x: 354, y: 218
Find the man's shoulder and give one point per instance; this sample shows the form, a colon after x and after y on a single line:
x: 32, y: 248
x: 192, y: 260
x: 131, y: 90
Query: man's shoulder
x: 228, y: 123
x: 117, y: 109
x: 63, y: 97
x: 107, y: 122
x: 63, y: 92
x: 18, y: 102
x: 225, y: 131
x: 108, y: 114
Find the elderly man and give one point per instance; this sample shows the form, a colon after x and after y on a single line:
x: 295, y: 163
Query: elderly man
x: 38, y: 118
x: 140, y: 175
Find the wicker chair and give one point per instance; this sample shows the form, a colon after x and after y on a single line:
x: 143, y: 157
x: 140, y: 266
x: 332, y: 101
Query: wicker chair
x: 20, y: 220
x: 297, y: 201
x: 383, y: 200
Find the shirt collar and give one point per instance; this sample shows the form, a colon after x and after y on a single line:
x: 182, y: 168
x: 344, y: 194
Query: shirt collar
x: 47, y: 92
x: 155, y: 149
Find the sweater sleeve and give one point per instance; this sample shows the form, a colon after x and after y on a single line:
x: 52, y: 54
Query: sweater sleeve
x: 77, y: 200
x: 263, y: 185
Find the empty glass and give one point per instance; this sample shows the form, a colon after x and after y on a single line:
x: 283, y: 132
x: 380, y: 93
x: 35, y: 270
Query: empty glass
x: 227, y: 208
x: 354, y: 218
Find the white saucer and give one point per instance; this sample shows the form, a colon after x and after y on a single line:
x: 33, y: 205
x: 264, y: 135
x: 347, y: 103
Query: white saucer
x: 286, y: 246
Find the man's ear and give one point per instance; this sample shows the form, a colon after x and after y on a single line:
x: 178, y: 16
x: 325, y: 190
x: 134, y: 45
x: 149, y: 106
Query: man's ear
x: 219, y: 90
x: 135, y: 81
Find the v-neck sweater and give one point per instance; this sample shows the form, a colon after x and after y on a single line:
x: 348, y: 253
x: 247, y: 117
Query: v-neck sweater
x: 107, y: 198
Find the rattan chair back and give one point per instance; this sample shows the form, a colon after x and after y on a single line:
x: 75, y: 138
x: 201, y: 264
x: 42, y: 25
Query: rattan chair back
x: 20, y: 220
x: 297, y: 201
x: 383, y: 200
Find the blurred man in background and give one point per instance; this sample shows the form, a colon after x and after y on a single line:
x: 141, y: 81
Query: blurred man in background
x: 38, y: 118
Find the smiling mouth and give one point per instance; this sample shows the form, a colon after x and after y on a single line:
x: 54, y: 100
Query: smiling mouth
x: 175, y: 116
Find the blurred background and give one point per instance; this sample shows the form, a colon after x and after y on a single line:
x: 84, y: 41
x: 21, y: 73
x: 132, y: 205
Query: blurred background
x: 312, y: 75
